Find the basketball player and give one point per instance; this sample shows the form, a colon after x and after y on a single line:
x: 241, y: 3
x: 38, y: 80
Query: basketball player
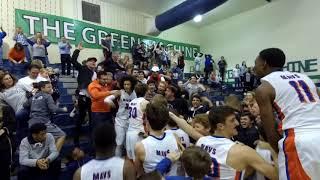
x: 295, y: 98
x: 105, y: 165
x: 127, y: 94
x: 137, y: 109
x: 229, y: 158
x: 150, y: 151
x: 172, y: 127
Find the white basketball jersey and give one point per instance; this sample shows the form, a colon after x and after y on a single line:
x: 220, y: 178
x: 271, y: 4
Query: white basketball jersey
x: 136, y: 115
x: 296, y: 101
x: 124, y: 101
x: 157, y: 149
x: 183, y: 136
x: 266, y: 155
x: 109, y: 169
x: 218, y: 148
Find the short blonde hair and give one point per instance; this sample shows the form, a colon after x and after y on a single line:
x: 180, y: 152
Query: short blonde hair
x: 202, y: 119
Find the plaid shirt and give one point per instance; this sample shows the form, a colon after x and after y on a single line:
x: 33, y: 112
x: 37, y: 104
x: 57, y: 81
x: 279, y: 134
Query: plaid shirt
x: 21, y: 38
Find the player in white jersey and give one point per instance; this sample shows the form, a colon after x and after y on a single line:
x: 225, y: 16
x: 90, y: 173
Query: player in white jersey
x: 127, y: 94
x: 105, y: 165
x: 137, y: 108
x: 295, y: 98
x: 229, y: 158
x: 172, y: 127
x: 150, y: 151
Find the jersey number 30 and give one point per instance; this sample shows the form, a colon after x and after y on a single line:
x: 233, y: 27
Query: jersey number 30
x: 300, y: 86
x: 132, y: 112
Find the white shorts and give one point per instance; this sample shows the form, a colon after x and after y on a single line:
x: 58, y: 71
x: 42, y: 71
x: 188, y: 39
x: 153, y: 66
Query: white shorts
x: 132, y: 139
x: 299, y: 155
x: 121, y: 127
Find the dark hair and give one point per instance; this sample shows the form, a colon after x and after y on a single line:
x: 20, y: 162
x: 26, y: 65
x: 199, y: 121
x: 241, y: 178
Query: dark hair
x: 15, y: 80
x: 43, y: 84
x: 34, y: 66
x: 247, y: 113
x: 196, y: 161
x: 103, y: 73
x: 141, y: 90
x: 37, y: 127
x: 274, y: 57
x: 219, y: 115
x: 104, y: 137
x: 175, y: 90
x: 132, y: 79
x: 18, y: 45
x: 157, y: 115
x: 196, y: 96
x: 151, y: 81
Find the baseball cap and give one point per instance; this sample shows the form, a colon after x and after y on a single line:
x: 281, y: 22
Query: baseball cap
x: 92, y: 59
x: 155, y: 69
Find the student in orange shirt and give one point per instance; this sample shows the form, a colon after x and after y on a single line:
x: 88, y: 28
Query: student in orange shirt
x: 16, y: 54
x: 99, y: 89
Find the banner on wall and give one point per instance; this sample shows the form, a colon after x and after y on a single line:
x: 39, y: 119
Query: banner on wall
x: 310, y: 67
x: 55, y: 27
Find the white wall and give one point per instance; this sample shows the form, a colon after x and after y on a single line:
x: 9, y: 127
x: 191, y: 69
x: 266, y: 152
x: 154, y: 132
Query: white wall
x: 112, y: 16
x: 292, y: 25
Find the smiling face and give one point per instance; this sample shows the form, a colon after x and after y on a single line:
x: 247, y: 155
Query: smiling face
x: 245, y: 122
x: 7, y: 81
x: 196, y: 102
x: 229, y: 127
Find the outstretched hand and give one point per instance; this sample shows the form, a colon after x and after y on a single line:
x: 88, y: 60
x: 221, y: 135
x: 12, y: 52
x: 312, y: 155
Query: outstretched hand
x: 80, y: 46
x: 174, y: 156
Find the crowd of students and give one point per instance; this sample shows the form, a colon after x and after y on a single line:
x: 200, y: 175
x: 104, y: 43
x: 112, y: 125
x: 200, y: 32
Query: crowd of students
x: 164, y: 126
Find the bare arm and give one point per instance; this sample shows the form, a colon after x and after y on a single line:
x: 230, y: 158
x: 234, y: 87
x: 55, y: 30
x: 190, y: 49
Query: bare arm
x: 265, y: 96
x: 77, y: 174
x: 140, y: 156
x: 206, y: 99
x: 129, y: 172
x: 185, y: 127
x: 252, y: 159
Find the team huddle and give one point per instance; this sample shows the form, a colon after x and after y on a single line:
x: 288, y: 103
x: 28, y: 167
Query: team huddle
x: 156, y: 141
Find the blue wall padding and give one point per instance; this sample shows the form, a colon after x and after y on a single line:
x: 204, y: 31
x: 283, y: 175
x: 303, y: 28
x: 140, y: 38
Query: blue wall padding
x: 185, y: 12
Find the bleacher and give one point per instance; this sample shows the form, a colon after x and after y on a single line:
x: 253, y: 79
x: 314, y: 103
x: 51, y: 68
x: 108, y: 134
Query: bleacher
x: 67, y: 86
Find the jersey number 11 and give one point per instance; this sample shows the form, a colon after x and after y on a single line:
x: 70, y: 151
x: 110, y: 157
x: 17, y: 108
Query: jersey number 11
x: 300, y: 86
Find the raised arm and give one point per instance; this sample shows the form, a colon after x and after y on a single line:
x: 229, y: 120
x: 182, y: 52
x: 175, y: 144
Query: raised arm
x: 185, y: 126
x: 75, y: 55
x: 30, y: 42
x: 265, y: 96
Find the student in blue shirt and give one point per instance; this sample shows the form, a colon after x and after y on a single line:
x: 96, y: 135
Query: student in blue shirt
x: 2, y: 35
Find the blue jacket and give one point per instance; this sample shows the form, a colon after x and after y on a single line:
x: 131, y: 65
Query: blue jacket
x: 2, y: 35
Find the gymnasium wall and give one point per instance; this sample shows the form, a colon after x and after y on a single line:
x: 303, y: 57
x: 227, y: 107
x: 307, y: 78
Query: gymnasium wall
x: 292, y: 25
x: 112, y: 16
